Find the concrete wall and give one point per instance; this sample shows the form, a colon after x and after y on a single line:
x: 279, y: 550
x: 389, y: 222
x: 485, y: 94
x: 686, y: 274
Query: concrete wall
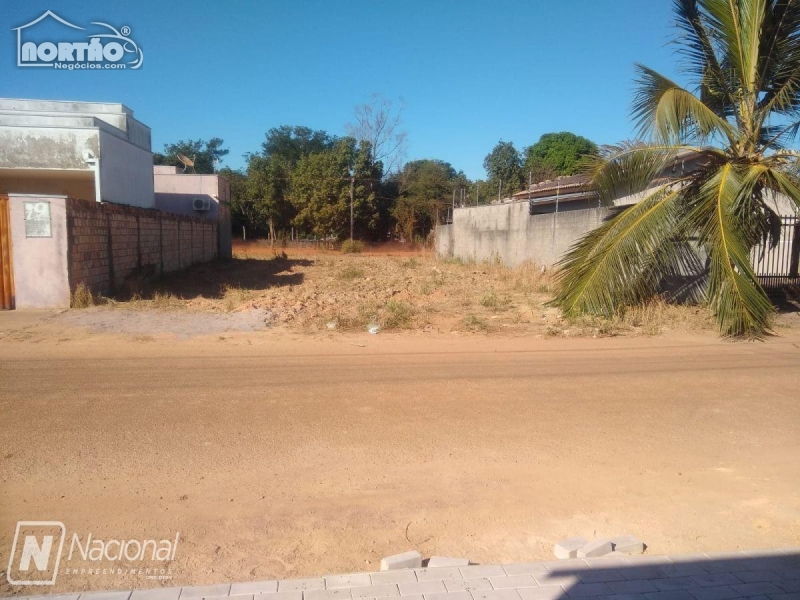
x: 46, y: 147
x: 508, y: 233
x: 126, y: 172
x: 41, y: 277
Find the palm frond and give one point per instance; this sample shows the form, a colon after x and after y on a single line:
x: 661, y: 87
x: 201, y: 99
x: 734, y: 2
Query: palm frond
x: 613, y: 265
x: 738, y: 301
x: 672, y: 114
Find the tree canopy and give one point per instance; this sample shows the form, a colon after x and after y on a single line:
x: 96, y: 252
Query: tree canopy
x: 206, y: 154
x: 557, y: 154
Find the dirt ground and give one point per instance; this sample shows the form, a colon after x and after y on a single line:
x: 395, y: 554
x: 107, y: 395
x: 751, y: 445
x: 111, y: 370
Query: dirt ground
x: 314, y: 290
x: 280, y: 453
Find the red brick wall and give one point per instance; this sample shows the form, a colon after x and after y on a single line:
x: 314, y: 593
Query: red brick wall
x: 108, y: 243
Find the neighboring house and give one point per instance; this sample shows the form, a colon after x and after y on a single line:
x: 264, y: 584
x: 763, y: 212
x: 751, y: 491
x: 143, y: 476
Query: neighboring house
x: 78, y: 206
x: 91, y: 150
x: 202, y: 196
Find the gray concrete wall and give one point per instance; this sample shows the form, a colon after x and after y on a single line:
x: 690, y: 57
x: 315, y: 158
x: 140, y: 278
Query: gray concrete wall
x: 41, y: 278
x: 126, y: 172
x: 508, y: 233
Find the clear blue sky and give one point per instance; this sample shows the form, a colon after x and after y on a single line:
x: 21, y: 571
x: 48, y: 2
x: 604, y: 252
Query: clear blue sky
x: 470, y: 72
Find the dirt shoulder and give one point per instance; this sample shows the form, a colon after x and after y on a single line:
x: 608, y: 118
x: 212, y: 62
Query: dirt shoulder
x: 280, y: 454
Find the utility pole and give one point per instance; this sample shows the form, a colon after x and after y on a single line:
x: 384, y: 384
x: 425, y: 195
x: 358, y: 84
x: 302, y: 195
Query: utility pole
x: 477, y: 193
x: 352, y: 190
x: 499, y: 191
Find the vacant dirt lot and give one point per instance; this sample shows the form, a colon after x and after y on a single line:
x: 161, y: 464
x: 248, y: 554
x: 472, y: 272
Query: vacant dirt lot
x: 276, y: 454
x: 317, y: 291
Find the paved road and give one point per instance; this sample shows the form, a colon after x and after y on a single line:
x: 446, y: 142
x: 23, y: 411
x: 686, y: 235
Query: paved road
x: 289, y: 456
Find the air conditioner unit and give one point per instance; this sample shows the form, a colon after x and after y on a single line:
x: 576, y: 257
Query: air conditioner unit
x: 201, y: 204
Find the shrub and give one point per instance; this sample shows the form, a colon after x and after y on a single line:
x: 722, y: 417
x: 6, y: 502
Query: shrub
x: 82, y: 297
x: 352, y: 247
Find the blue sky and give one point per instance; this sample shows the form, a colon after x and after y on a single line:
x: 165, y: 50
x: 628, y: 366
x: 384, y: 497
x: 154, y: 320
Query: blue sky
x: 470, y: 72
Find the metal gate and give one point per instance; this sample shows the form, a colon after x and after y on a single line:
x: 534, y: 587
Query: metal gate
x: 778, y: 267
x: 6, y: 273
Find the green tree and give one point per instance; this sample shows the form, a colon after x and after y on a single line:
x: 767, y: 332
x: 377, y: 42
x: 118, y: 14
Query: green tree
x: 744, y: 56
x: 556, y: 154
x: 425, y: 190
x: 321, y: 190
x: 504, y: 165
x: 205, y: 154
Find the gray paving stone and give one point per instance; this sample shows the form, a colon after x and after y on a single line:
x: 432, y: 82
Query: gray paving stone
x: 565, y: 565
x: 682, y: 570
x: 757, y: 576
x: 347, y: 581
x: 674, y: 583
x: 568, y: 548
x: 718, y: 592
x: 755, y: 589
x: 599, y: 575
x: 495, y: 595
x: 596, y: 548
x: 438, y: 573
x: 564, y: 579
x: 624, y: 597
x: 670, y: 595
x: 254, y: 587
x: 544, y: 592
x: 449, y: 596
x: 296, y: 595
x: 792, y: 585
x: 581, y: 590
x: 632, y: 586
x: 406, y: 560
x: 106, y: 595
x: 787, y: 596
x: 62, y: 596
x: 513, y: 581
x: 609, y: 561
x: 239, y: 597
x: 396, y: 576
x: 687, y: 558
x: 650, y: 559
x: 202, y: 591
x: 447, y: 561
x: 334, y: 594
x: 473, y: 571
x: 293, y: 585
x: 714, y: 579
x: 171, y: 593
x: 526, y: 568
x: 628, y: 544
x: 421, y: 587
x: 375, y: 591
x: 467, y: 585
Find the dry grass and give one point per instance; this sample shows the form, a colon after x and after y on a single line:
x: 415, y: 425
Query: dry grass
x: 352, y: 292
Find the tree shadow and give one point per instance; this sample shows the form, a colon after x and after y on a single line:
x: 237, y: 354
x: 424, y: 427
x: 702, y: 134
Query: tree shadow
x: 213, y: 279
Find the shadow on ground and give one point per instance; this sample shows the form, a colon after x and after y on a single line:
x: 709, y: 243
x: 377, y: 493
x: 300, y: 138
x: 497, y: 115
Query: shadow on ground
x: 214, y: 279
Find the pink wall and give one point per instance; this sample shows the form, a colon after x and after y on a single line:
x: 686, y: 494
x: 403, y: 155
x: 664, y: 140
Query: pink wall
x: 41, y: 279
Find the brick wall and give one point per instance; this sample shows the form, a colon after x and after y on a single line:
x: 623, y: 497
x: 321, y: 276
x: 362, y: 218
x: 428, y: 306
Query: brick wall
x: 108, y: 243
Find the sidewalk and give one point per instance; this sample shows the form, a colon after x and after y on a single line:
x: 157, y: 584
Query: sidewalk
x: 760, y: 574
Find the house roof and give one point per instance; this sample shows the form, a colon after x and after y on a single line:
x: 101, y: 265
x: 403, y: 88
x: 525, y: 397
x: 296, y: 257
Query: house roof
x: 565, y: 184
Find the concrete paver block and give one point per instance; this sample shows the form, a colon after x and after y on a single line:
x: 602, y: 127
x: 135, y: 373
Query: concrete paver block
x: 172, y: 593
x: 467, y: 585
x: 513, y: 581
x: 596, y: 548
x: 397, y: 576
x: 347, y: 581
x: 203, y: 591
x: 525, y: 568
x: 581, y: 590
x: 718, y: 592
x: 632, y: 586
x: 375, y: 591
x: 253, y: 587
x: 447, y: 561
x: 106, y: 595
x: 564, y: 579
x: 336, y: 594
x: 296, y: 595
x: 440, y: 573
x: 293, y: 585
x: 421, y: 587
x: 406, y: 560
x: 495, y: 595
x: 628, y: 544
x: 449, y: 596
x: 545, y: 592
x: 568, y: 548
x: 239, y: 597
x: 473, y: 571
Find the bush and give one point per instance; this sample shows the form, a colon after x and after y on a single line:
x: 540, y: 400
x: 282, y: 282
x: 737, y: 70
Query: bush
x: 352, y: 247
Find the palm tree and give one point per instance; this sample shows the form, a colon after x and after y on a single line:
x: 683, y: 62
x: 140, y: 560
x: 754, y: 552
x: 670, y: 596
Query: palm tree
x: 744, y: 58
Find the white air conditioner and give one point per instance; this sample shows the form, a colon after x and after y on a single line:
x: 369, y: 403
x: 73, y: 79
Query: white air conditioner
x: 201, y: 204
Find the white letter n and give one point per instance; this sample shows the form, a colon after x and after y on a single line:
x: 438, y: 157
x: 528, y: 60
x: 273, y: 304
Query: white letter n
x: 40, y: 555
